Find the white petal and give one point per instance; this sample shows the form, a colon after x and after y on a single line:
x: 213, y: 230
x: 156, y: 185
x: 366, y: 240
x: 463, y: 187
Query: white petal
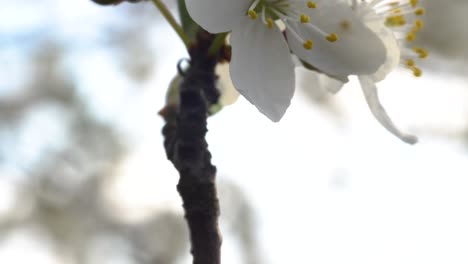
x: 261, y: 68
x: 377, y: 24
x: 330, y: 84
x: 312, y: 80
x: 229, y: 94
x: 372, y: 98
x: 217, y: 16
x: 358, y: 51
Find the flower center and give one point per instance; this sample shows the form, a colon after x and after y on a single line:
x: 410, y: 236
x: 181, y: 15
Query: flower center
x: 289, y: 12
x: 402, y: 17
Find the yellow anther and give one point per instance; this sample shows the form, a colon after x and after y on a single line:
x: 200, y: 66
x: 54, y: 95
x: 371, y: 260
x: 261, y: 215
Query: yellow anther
x: 422, y: 53
x: 311, y: 4
x: 305, y: 18
x: 308, y: 44
x: 414, y: 3
x: 410, y: 63
x: 269, y: 22
x: 252, y: 14
x: 332, y: 37
x: 395, y: 21
x: 396, y: 11
x: 419, y: 12
x: 411, y: 36
x: 416, y: 71
x: 418, y: 24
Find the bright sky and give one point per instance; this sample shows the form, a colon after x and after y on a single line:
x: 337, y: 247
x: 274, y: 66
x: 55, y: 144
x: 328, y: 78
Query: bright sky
x: 326, y: 189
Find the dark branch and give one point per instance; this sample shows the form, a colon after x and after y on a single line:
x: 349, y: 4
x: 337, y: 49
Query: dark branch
x: 187, y: 148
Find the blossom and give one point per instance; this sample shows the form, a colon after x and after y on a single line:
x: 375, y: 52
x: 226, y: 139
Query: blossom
x: 395, y: 22
x: 261, y: 67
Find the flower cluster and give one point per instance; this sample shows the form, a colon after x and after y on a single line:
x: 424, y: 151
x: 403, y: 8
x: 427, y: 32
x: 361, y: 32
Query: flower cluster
x: 337, y: 37
x: 262, y: 68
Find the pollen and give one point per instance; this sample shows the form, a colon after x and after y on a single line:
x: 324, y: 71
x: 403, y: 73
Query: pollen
x: 411, y: 36
x: 418, y: 24
x: 403, y: 18
x: 308, y: 44
x: 311, y: 4
x: 422, y: 53
x: 417, y: 72
x: 304, y: 19
x: 419, y: 11
x: 332, y: 37
x: 414, y: 3
x: 252, y: 14
x: 269, y: 22
x: 395, y: 21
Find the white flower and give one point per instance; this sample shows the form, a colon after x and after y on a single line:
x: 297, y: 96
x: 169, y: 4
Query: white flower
x: 261, y: 67
x: 395, y: 22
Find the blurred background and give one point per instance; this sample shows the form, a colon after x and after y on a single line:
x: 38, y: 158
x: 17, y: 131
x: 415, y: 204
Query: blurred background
x: 84, y: 178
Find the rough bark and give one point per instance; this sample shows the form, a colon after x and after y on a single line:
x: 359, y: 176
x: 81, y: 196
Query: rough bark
x: 187, y: 149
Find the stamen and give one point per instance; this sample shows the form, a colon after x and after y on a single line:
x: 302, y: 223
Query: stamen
x: 395, y: 21
x: 311, y: 4
x: 254, y: 5
x: 252, y: 14
x: 398, y: 7
x: 419, y: 12
x: 269, y: 22
x: 308, y: 44
x: 421, y: 52
x: 417, y: 72
x: 292, y: 13
x: 418, y: 24
x: 401, y: 16
x: 305, y: 19
x: 411, y: 36
x: 332, y: 37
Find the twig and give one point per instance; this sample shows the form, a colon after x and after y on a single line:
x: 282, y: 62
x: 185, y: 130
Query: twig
x: 187, y: 148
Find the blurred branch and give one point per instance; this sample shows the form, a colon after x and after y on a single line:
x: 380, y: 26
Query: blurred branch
x: 187, y: 149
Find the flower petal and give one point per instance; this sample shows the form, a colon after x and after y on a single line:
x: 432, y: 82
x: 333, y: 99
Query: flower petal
x: 261, y: 67
x: 329, y: 84
x: 377, y: 24
x: 358, y: 50
x: 217, y: 16
x: 372, y: 98
x: 229, y: 94
x: 312, y: 80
